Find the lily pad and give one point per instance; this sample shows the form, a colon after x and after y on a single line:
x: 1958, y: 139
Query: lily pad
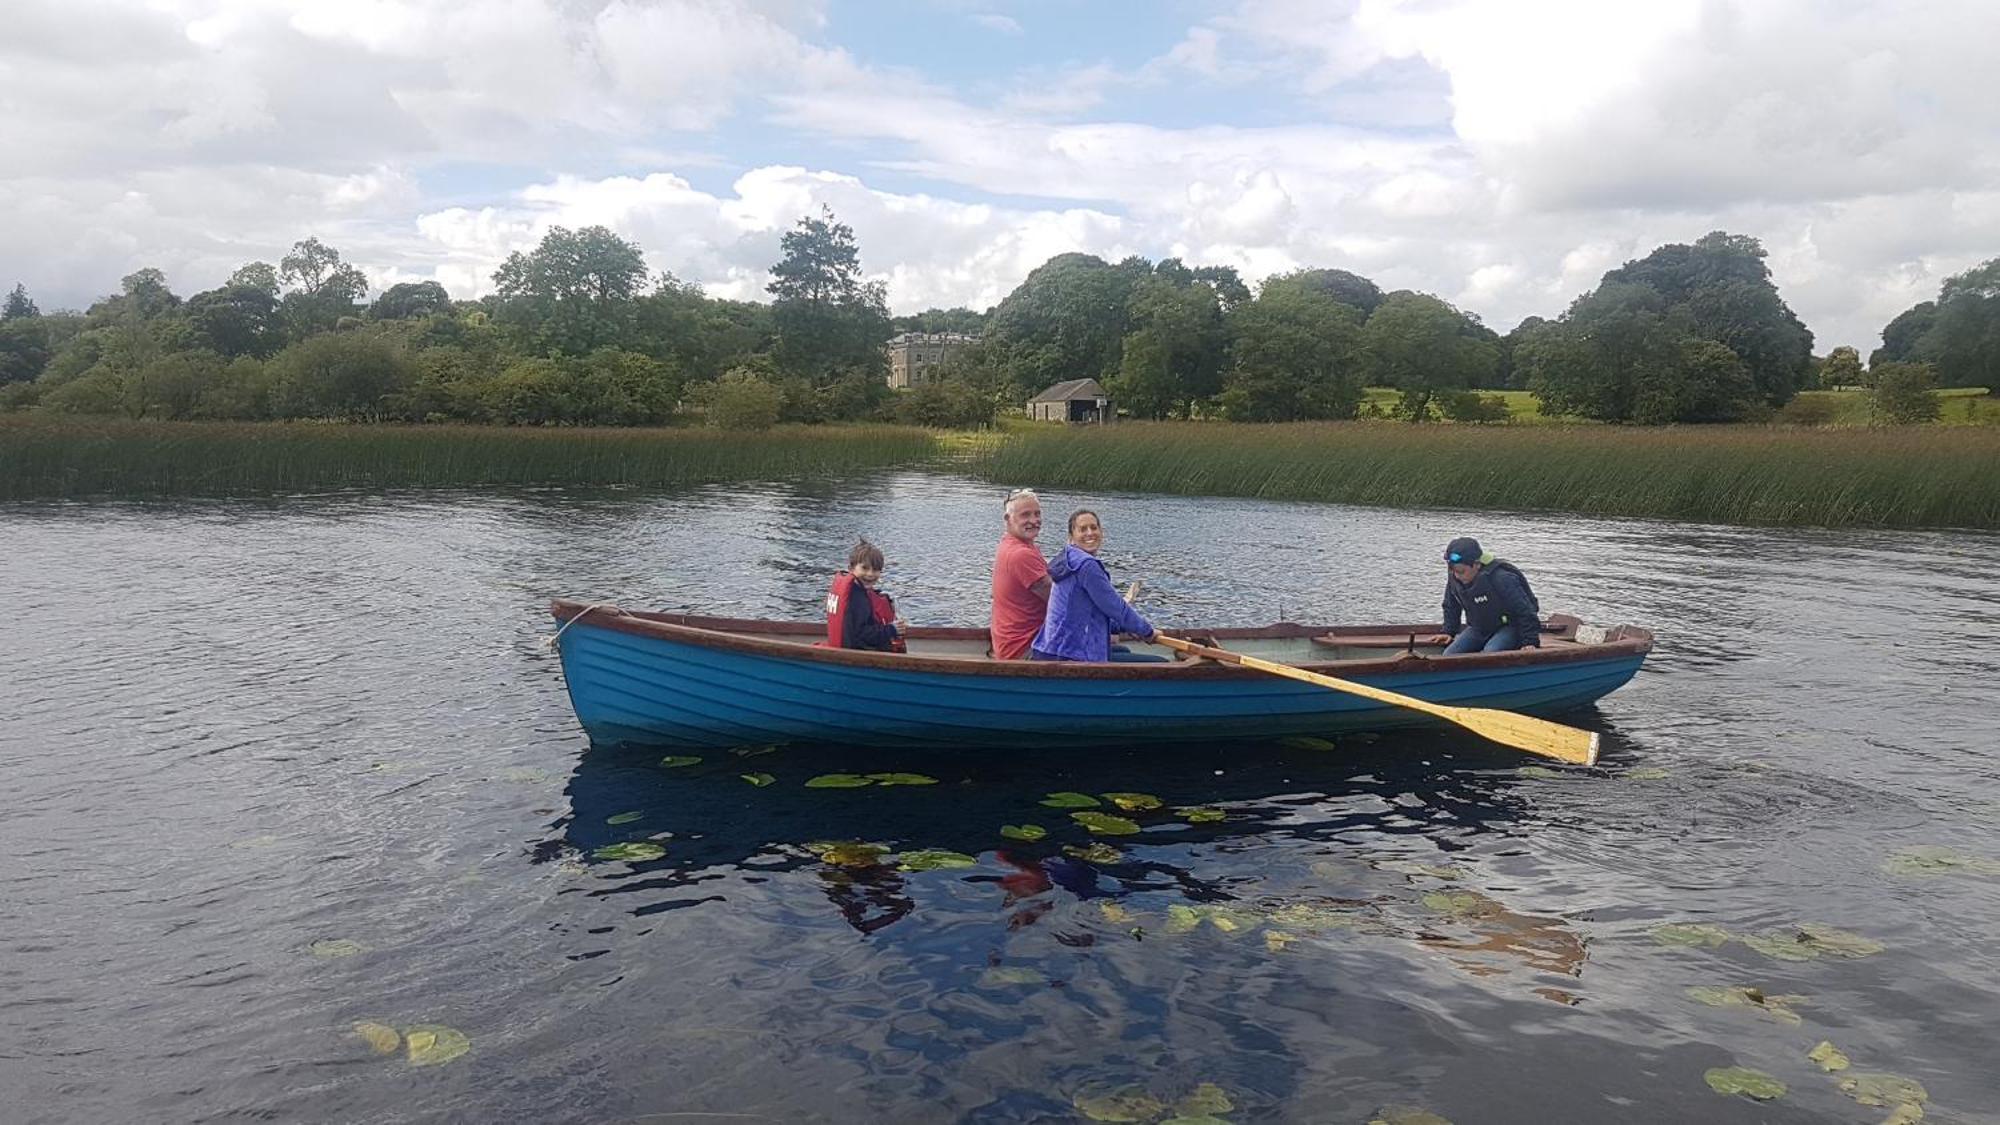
x: 1543, y: 772
x: 431, y: 1044
x: 1104, y: 824
x: 1742, y: 1080
x: 1070, y: 800
x: 1929, y: 861
x: 1182, y: 918
x: 1405, y: 1115
x: 1745, y: 996
x: 1781, y: 944
x: 1462, y: 904
x: 1433, y: 870
x: 902, y: 779
x: 1646, y: 773
x: 336, y: 947
x: 624, y: 817
x: 849, y: 853
x: 380, y: 1037
x: 676, y: 761
x: 1011, y: 974
x: 1206, y: 1100
x: 636, y: 852
x: 1133, y: 802
x: 838, y: 781
x: 931, y: 859
x: 1124, y: 1105
x: 1112, y: 911
x: 1883, y: 1089
x: 760, y: 780
x: 1094, y: 853
x: 1202, y: 815
x: 1810, y: 940
x: 1277, y: 940
x: 1909, y: 1113
x: 1828, y: 1056
x: 1023, y: 831
x: 753, y: 751
x: 1838, y: 943
x: 1307, y: 742
x: 1690, y: 933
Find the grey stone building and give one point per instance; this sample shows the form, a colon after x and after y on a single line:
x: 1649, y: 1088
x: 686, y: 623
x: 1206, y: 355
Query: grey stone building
x: 1076, y: 400
x: 914, y: 356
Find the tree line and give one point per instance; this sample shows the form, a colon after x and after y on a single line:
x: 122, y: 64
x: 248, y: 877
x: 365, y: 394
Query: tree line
x: 578, y: 332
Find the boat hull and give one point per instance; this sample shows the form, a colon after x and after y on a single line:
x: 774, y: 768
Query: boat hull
x: 653, y: 683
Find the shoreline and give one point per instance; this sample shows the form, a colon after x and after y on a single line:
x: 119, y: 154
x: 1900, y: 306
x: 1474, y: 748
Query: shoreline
x: 1775, y: 476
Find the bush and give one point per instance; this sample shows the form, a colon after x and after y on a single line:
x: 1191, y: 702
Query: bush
x: 19, y: 396
x: 741, y: 401
x: 1903, y: 394
x: 944, y: 405
x: 1471, y: 406
x: 343, y: 375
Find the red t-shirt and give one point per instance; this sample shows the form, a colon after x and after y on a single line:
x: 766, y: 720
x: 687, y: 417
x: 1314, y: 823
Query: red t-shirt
x: 1017, y: 610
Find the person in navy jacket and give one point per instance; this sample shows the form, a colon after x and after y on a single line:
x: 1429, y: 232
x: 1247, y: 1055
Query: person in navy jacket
x: 1084, y: 608
x: 857, y: 614
x: 1492, y: 595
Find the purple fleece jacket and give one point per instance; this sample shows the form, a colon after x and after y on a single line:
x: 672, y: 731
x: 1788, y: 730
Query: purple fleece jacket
x: 1084, y: 610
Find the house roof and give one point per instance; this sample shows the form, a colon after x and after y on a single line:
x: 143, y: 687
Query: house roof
x: 1071, y: 390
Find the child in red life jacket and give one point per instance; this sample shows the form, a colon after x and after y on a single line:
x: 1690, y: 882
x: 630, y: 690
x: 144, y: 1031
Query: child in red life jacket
x: 857, y: 614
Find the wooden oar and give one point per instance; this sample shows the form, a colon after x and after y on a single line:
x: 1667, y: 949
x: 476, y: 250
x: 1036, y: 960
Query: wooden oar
x: 1523, y: 732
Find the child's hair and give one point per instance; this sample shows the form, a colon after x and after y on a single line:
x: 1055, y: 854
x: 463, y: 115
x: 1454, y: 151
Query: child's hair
x: 1079, y: 514
x: 865, y: 552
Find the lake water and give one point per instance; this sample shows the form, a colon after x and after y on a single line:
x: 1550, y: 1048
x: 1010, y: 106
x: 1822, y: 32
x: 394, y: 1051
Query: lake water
x: 276, y: 768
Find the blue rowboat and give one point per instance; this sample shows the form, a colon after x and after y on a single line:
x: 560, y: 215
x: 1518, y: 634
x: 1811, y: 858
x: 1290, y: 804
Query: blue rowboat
x: 687, y: 681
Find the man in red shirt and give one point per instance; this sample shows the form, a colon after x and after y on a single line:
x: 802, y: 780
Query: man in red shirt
x: 1020, y: 579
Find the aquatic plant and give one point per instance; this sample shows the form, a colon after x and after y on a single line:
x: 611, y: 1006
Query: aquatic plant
x: 1903, y: 477
x: 60, y: 456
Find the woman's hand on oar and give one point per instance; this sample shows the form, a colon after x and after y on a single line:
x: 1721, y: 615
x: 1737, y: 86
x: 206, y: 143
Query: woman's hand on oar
x: 1523, y: 732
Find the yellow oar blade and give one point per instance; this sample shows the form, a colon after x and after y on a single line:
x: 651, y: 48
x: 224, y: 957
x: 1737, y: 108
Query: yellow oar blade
x: 1522, y: 732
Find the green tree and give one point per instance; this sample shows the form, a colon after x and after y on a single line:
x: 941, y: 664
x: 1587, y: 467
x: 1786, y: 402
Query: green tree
x: 1421, y: 346
x: 574, y: 293
x: 1348, y: 288
x: 1903, y: 394
x: 1964, y: 343
x: 741, y: 400
x: 1842, y: 368
x: 261, y: 276
x: 945, y: 404
x: 339, y: 375
x: 960, y: 320
x: 325, y: 288
x: 1902, y: 336
x: 406, y: 300
x: 1297, y: 355
x: 829, y: 321
x: 1724, y: 286
x: 1174, y: 356
x: 700, y: 336
x: 1066, y: 320
x: 237, y: 319
x: 18, y: 304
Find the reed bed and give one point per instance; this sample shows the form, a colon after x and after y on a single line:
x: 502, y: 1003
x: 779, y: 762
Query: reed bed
x: 45, y: 456
x: 1914, y: 476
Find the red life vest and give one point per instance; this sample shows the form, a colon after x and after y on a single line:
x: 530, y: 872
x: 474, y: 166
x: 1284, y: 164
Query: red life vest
x: 843, y: 588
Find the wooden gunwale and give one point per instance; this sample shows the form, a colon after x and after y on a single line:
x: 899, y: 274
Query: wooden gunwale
x: 725, y: 633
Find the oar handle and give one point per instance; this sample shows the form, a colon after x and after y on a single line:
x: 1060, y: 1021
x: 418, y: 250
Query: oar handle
x: 1220, y: 655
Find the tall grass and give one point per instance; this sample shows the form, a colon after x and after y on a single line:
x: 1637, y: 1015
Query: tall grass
x: 45, y: 456
x: 1913, y: 476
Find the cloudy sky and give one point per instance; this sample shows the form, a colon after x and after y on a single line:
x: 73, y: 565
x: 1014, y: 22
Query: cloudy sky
x: 1499, y: 153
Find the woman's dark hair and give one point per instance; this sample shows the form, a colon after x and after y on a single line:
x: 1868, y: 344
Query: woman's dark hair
x: 865, y: 552
x: 1079, y: 514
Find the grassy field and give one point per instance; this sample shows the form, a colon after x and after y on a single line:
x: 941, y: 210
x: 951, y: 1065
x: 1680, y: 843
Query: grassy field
x: 44, y: 455
x: 1913, y: 476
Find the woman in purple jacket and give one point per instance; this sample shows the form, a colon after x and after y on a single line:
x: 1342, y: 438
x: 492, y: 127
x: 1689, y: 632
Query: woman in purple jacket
x: 1084, y: 608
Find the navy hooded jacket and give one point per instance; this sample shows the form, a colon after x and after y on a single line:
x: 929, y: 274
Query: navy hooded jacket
x: 1498, y: 596
x: 1084, y: 610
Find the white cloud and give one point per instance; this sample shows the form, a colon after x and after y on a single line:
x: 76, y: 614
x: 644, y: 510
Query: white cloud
x: 994, y: 21
x: 1501, y: 155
